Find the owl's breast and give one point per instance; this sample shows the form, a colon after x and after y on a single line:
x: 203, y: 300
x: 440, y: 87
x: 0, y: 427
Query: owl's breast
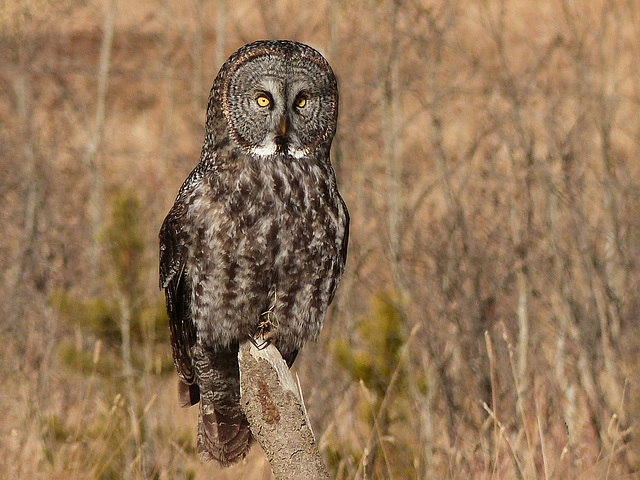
x: 276, y: 214
x: 269, y: 240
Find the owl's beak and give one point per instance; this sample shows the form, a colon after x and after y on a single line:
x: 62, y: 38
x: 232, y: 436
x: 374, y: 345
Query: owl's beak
x: 284, y: 125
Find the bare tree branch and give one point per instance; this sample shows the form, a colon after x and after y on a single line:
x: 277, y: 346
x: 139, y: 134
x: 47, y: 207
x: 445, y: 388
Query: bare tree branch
x: 276, y: 415
x: 94, y: 142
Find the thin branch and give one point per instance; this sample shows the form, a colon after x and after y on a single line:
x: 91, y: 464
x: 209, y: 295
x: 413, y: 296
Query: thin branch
x: 93, y: 144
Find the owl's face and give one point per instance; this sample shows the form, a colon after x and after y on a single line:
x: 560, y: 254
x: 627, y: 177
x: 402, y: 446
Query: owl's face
x: 279, y: 98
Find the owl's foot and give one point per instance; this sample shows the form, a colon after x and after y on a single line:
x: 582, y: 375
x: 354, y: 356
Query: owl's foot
x: 266, y: 333
x: 264, y: 343
x: 268, y: 325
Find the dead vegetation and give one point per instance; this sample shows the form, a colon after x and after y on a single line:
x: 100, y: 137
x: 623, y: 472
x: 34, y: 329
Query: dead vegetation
x: 488, y: 151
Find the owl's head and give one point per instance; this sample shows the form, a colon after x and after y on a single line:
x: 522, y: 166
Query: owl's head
x: 275, y: 98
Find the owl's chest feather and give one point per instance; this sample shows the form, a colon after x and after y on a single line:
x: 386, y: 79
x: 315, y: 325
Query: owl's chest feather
x: 266, y: 215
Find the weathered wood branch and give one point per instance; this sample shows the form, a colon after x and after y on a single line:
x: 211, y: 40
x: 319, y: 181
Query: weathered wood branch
x: 276, y: 416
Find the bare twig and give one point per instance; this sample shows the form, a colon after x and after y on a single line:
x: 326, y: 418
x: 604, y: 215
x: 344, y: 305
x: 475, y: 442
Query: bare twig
x: 94, y: 142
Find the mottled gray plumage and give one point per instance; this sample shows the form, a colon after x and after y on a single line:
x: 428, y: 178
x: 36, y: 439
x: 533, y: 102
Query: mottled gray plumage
x: 257, y: 238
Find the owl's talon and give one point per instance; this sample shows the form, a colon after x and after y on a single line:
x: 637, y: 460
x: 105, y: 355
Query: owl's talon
x: 260, y: 346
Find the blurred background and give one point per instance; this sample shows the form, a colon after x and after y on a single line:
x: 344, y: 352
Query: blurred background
x: 488, y: 150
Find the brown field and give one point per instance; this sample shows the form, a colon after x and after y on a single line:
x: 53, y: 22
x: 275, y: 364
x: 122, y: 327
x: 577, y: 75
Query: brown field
x: 488, y: 325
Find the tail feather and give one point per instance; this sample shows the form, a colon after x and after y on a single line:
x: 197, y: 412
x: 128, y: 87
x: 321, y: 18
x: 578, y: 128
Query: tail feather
x: 223, y: 438
x: 223, y: 430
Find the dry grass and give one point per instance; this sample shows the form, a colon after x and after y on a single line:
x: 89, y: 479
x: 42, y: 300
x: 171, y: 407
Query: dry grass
x: 487, y: 326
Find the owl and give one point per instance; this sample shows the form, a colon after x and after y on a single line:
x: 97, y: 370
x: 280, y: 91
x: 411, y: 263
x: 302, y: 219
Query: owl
x: 256, y: 240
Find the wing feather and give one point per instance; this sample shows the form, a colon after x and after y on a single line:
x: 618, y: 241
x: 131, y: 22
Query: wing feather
x: 174, y: 278
x: 339, y: 265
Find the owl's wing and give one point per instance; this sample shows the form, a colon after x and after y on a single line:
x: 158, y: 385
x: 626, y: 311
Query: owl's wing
x: 175, y: 280
x: 345, y: 240
x: 338, y: 269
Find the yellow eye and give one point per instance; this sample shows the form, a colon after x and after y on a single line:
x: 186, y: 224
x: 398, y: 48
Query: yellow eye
x: 263, y: 101
x: 301, y: 102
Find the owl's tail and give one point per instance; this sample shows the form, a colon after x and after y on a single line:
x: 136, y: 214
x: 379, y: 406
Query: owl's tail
x: 223, y: 430
x: 223, y: 438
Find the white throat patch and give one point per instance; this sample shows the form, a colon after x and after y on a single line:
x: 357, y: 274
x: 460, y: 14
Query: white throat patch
x: 270, y: 148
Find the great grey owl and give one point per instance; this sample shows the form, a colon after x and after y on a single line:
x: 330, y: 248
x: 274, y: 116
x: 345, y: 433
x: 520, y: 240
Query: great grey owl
x: 256, y: 240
